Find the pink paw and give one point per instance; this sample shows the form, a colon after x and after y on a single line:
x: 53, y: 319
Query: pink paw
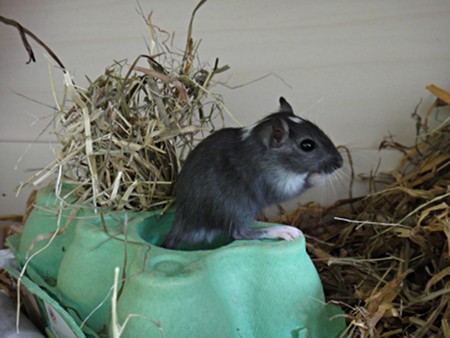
x: 285, y: 232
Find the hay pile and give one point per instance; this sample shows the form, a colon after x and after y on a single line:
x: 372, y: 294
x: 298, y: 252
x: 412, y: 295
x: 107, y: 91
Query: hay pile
x: 122, y: 139
x: 386, y: 257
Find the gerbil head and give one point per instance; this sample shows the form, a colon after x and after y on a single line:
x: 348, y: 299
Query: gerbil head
x: 298, y: 144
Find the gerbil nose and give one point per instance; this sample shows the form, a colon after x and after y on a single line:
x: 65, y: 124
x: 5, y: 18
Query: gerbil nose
x: 339, y: 161
x: 335, y: 162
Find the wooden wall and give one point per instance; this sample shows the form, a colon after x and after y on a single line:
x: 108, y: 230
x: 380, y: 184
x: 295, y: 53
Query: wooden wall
x: 356, y: 68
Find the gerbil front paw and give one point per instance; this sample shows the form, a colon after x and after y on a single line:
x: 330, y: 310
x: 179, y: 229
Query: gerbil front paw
x: 285, y: 232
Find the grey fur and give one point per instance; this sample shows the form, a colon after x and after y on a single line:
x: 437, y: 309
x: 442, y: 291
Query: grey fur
x: 228, y: 178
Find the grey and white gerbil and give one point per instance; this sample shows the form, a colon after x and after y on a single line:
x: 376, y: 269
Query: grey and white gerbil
x: 236, y: 172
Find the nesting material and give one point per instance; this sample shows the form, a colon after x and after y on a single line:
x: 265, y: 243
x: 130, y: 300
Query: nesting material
x: 385, y: 257
x: 122, y: 139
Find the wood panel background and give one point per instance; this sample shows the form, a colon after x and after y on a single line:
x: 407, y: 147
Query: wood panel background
x: 356, y: 68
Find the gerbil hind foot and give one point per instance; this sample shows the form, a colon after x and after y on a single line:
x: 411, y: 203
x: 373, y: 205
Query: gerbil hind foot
x: 285, y: 232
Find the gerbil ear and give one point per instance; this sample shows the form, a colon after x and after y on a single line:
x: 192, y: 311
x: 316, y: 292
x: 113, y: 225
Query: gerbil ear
x: 285, y: 107
x: 280, y: 133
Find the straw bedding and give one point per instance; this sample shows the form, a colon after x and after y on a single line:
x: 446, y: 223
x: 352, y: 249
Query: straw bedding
x: 385, y: 257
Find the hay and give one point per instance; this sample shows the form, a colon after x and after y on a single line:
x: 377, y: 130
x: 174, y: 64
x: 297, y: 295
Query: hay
x: 123, y: 138
x: 385, y: 257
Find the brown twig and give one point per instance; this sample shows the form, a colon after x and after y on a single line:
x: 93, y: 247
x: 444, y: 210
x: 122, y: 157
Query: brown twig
x: 23, y: 34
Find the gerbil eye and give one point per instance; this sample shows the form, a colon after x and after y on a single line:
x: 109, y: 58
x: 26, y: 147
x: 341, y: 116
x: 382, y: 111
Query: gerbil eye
x: 307, y: 145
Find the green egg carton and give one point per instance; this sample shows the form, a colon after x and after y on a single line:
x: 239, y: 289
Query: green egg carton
x: 258, y: 288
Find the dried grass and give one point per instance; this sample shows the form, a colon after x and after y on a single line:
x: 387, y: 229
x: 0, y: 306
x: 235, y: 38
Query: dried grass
x: 385, y: 257
x: 122, y: 139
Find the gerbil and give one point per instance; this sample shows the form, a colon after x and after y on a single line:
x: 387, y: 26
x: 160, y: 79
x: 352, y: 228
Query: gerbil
x: 236, y: 172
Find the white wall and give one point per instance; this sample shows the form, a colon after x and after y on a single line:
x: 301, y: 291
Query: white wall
x: 357, y: 68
